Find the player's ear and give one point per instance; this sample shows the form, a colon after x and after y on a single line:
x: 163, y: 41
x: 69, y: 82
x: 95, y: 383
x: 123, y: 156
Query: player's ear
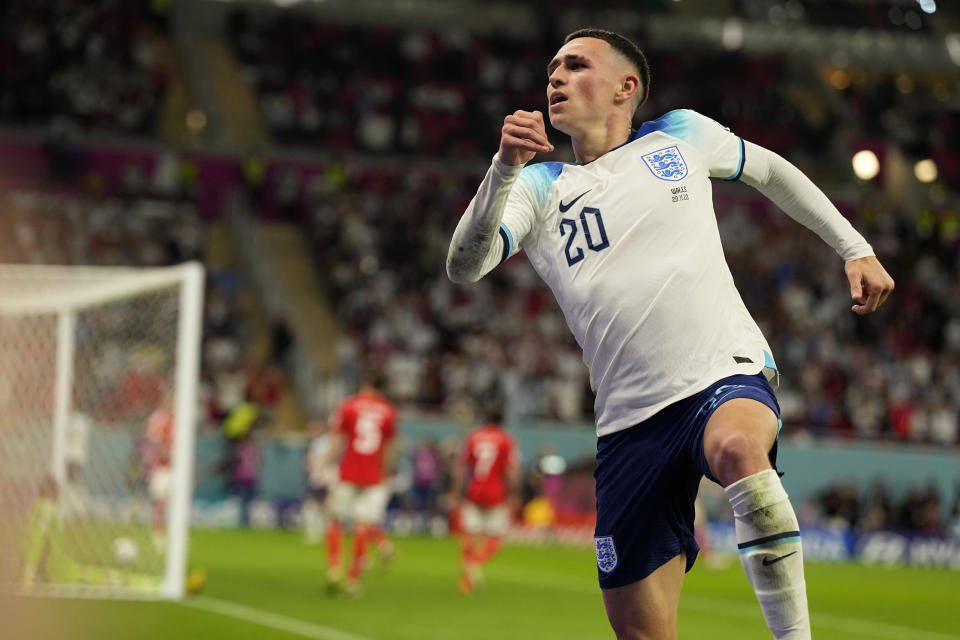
x: 628, y: 88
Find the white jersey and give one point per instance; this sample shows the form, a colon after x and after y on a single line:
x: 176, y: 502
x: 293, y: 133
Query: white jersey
x: 629, y: 245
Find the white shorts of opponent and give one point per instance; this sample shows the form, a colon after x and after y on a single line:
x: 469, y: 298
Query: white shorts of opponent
x: 487, y: 521
x: 366, y: 505
x: 159, y: 486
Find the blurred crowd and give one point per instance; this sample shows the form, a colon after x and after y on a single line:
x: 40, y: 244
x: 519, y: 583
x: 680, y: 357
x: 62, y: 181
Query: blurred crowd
x: 444, y: 92
x: 920, y: 509
x: 81, y: 65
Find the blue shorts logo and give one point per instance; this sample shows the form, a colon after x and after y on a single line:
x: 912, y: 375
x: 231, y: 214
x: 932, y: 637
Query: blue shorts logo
x: 606, y: 553
x: 667, y: 164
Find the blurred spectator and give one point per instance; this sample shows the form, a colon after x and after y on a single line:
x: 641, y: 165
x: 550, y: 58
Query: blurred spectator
x: 840, y: 505
x: 877, y: 509
x: 244, y: 469
x: 426, y: 475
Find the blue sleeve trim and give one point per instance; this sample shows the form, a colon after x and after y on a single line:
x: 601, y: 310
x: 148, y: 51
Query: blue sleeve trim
x: 539, y: 177
x: 507, y: 238
x: 743, y: 156
x: 671, y: 123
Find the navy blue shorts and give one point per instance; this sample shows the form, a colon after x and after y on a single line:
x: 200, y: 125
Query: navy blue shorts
x: 647, y: 480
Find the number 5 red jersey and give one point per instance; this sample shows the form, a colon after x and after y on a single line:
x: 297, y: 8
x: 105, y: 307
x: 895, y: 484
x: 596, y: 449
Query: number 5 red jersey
x: 368, y: 423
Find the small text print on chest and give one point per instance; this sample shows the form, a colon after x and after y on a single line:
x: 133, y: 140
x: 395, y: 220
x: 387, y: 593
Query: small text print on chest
x: 679, y: 194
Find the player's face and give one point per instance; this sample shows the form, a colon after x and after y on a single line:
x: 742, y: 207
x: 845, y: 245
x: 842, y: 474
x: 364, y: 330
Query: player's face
x: 582, y: 80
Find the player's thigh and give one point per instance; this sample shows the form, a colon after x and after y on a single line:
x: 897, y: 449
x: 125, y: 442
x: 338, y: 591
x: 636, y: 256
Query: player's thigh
x: 487, y: 521
x: 497, y: 520
x: 647, y: 609
x: 471, y: 519
x: 738, y: 438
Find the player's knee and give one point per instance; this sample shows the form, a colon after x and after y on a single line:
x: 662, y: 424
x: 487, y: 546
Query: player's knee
x: 734, y: 455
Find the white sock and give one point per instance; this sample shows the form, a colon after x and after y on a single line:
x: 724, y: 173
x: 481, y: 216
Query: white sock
x: 769, y: 540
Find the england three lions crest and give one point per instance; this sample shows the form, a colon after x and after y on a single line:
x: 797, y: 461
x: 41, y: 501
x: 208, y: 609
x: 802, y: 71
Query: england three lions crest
x: 606, y: 554
x: 667, y: 164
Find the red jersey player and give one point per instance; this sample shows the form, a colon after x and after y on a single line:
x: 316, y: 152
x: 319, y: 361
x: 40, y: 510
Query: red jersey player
x: 363, y: 428
x: 491, y: 460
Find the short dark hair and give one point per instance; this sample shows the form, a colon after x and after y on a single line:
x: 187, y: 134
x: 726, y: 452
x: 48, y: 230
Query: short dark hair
x: 625, y: 46
x: 374, y: 378
x: 490, y: 407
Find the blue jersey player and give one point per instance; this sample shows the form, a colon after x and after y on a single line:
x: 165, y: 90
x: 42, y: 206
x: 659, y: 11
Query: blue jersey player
x: 627, y: 240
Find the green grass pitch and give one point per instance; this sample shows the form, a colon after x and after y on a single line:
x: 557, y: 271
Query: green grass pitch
x: 269, y: 585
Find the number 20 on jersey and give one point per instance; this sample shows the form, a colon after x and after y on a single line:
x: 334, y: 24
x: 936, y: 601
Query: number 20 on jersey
x: 590, y: 225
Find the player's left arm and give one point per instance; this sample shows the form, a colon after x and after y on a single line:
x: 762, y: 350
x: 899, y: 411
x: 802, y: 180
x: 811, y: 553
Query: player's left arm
x: 802, y: 200
x: 495, y: 223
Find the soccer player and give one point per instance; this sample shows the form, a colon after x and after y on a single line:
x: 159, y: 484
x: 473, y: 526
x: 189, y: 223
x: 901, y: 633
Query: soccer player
x: 491, y: 459
x: 627, y: 240
x: 46, y: 558
x: 321, y: 475
x: 362, y: 428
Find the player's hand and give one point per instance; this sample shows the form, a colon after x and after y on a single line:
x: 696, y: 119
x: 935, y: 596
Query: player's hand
x: 522, y: 137
x: 870, y: 284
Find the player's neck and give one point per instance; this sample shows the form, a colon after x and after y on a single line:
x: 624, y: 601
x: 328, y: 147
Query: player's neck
x: 594, y: 142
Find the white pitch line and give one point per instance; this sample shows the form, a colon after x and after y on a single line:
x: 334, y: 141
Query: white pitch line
x: 865, y: 628
x: 268, y: 619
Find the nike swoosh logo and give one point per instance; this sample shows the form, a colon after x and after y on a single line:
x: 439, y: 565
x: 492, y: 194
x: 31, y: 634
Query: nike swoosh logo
x: 767, y: 561
x: 565, y: 207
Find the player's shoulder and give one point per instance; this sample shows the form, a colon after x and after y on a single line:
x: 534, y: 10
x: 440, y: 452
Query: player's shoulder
x: 386, y: 406
x: 547, y: 171
x: 677, y: 123
x: 539, y: 179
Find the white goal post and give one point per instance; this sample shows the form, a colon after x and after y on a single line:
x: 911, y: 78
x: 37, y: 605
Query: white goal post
x: 99, y: 370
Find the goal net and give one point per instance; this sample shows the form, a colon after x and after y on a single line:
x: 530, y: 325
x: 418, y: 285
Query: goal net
x: 98, y: 378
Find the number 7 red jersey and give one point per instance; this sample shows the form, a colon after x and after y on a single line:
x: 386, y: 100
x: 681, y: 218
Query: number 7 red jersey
x: 368, y: 423
x: 490, y: 453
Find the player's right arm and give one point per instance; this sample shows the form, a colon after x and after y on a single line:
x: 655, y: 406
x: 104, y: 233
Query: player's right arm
x: 480, y: 242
